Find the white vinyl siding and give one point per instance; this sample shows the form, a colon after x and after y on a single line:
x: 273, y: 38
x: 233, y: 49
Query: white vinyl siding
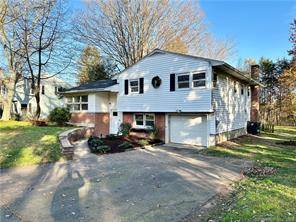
x: 162, y: 99
x: 232, y: 109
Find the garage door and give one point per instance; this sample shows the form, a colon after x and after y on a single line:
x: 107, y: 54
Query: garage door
x: 188, y: 130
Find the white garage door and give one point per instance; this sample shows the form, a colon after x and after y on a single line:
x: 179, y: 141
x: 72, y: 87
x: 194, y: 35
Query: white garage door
x: 188, y: 130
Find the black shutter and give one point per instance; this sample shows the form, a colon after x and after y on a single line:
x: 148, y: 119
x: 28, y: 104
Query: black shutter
x: 126, y: 87
x: 141, y: 85
x: 172, y: 82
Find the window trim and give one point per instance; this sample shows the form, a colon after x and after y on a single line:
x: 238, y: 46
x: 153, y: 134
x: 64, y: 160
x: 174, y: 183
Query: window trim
x: 130, y: 87
x: 80, y: 103
x: 144, y: 126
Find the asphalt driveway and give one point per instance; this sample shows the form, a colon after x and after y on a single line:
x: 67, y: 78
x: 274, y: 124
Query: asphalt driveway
x: 155, y: 184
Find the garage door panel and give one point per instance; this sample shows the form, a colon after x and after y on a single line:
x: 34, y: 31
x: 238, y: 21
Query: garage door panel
x: 188, y: 130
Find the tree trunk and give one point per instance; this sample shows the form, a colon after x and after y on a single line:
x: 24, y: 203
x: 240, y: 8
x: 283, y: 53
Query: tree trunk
x: 7, y: 101
x: 37, y: 98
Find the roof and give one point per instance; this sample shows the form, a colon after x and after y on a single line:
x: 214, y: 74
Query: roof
x: 96, y: 86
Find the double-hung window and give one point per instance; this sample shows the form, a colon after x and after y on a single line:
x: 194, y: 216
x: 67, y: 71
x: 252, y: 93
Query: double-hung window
x: 199, y: 79
x: 77, y: 103
x: 144, y: 120
x: 183, y: 81
x: 134, y: 86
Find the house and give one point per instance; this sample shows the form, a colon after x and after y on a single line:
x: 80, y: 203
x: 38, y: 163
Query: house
x: 189, y: 99
x: 24, y: 101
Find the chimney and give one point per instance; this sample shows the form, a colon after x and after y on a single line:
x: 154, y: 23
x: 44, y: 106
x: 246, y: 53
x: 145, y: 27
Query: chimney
x: 255, y: 70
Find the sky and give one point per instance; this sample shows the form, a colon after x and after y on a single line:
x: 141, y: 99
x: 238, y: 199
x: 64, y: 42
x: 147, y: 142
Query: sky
x: 258, y: 28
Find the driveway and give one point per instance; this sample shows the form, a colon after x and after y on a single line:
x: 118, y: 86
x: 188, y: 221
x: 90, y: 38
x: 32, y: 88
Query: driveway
x: 155, y: 184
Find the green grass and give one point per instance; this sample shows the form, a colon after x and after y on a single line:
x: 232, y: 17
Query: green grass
x: 271, y: 198
x: 23, y: 144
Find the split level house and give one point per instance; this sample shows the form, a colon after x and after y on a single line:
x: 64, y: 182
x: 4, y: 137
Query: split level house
x: 24, y: 102
x: 190, y: 100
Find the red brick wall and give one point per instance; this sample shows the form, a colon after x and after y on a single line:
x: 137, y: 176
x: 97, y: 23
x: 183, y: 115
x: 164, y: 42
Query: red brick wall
x: 255, y: 103
x: 159, y: 122
x: 101, y: 121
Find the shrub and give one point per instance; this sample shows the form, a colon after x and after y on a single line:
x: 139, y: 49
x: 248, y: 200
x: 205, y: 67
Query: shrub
x: 154, y: 133
x: 125, y: 128
x: 94, y: 143
x: 103, y: 149
x: 111, y: 137
x: 60, y: 116
x: 143, y: 142
x: 125, y: 145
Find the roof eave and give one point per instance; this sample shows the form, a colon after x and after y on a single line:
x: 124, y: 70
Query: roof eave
x: 237, y: 74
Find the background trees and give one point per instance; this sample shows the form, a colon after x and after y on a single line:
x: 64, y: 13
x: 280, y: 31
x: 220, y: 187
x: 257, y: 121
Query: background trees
x: 278, y: 97
x: 125, y: 31
x: 92, y: 67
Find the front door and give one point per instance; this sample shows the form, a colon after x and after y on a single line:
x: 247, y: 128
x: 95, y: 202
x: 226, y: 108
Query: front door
x: 115, y: 121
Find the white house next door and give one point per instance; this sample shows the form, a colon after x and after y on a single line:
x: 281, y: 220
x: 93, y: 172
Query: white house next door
x: 188, y: 129
x: 115, y: 121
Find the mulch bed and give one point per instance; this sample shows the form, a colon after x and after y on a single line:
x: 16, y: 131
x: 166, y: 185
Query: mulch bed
x: 114, y: 143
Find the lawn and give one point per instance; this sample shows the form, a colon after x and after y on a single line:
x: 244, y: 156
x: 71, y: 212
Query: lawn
x: 269, y: 198
x: 23, y: 144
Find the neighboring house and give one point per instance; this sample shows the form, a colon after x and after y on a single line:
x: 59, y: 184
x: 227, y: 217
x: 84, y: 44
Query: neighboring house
x: 190, y: 100
x: 50, y: 89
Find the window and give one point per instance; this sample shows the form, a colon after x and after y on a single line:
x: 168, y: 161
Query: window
x: 234, y: 88
x: 215, y: 80
x: 58, y: 89
x: 42, y: 90
x: 139, y: 118
x: 242, y: 90
x: 145, y: 120
x: 134, y: 86
x: 149, y: 120
x: 183, y: 81
x: 115, y: 114
x: 77, y: 103
x: 199, y: 79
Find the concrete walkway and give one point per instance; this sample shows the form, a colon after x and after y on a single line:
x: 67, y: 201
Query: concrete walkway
x: 155, y: 184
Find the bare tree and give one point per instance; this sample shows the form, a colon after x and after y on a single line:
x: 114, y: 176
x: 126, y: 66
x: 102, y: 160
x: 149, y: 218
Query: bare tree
x: 12, y: 50
x: 127, y: 30
x: 43, y: 33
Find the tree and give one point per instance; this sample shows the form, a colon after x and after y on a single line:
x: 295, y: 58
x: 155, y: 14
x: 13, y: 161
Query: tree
x: 12, y: 50
x: 125, y: 31
x: 92, y: 67
x: 292, y: 39
x: 45, y: 39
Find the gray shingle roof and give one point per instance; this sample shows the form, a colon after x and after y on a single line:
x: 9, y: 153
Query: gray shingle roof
x: 93, y: 86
